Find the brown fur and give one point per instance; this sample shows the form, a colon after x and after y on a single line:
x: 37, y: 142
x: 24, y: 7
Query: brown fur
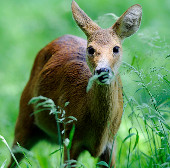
x: 61, y: 71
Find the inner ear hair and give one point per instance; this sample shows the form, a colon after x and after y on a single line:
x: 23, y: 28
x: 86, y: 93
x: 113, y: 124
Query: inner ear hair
x: 129, y: 22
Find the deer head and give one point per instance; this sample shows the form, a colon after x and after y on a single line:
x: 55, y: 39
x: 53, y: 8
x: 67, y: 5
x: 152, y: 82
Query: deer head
x: 104, y: 46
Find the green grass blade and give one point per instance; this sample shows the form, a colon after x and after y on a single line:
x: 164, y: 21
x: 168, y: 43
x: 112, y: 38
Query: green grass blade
x: 22, y: 149
x: 71, y: 136
x: 4, y: 141
x: 102, y: 163
x: 3, y: 164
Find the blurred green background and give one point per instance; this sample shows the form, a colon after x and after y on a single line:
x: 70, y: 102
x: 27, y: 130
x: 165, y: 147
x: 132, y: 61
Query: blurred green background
x: 27, y: 26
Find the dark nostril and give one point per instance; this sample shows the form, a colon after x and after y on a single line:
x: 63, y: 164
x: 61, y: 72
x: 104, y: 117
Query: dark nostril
x: 102, y: 70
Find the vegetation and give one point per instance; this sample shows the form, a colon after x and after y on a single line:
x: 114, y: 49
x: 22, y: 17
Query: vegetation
x: 143, y: 137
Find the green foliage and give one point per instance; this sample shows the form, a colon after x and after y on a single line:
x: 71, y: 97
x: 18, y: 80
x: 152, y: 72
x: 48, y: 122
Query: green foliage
x: 6, y: 144
x: 150, y: 118
x: 129, y: 137
x: 42, y: 103
x: 102, y: 163
x: 71, y: 136
x: 27, y: 26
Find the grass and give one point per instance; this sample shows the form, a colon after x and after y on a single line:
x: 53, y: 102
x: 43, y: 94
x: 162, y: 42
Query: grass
x: 27, y: 26
x: 154, y: 126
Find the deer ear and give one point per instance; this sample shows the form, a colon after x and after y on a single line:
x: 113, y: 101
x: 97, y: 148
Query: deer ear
x: 82, y: 20
x: 129, y: 22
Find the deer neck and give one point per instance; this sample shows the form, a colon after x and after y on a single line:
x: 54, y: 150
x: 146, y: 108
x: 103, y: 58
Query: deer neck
x: 102, y: 100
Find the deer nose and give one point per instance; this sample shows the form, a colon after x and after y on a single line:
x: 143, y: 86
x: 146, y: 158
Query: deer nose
x: 99, y: 71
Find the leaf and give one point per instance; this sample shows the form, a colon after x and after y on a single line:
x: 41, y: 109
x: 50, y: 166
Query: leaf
x: 90, y: 83
x: 66, y: 104
x: 53, y: 111
x: 35, y: 99
x: 46, y: 103
x: 164, y: 102
x: 60, y: 120
x: 130, y: 135
x: 166, y: 80
x: 71, y: 136
x: 3, y: 164
x: 168, y: 158
x: 138, y: 90
x: 63, y: 131
x: 55, y: 151
x: 93, y: 78
x: 23, y: 152
x: 68, y: 122
x: 102, y: 163
x: 73, y: 118
x: 37, y: 111
x: 166, y: 125
x: 137, y: 139
x: 133, y: 60
x: 5, y: 142
x: 147, y: 156
x: 73, y: 163
x: 168, y: 56
x: 150, y: 163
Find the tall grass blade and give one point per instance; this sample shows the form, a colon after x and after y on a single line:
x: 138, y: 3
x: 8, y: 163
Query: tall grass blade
x: 4, y: 141
x: 3, y: 164
x: 54, y: 152
x: 102, y: 163
x: 71, y: 136
x: 22, y: 149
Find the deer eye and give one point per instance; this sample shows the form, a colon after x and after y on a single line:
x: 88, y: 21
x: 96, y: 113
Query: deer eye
x: 90, y: 50
x: 116, y: 49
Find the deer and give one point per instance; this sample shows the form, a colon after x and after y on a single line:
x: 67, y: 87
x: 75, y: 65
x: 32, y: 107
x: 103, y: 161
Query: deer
x: 61, y: 72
